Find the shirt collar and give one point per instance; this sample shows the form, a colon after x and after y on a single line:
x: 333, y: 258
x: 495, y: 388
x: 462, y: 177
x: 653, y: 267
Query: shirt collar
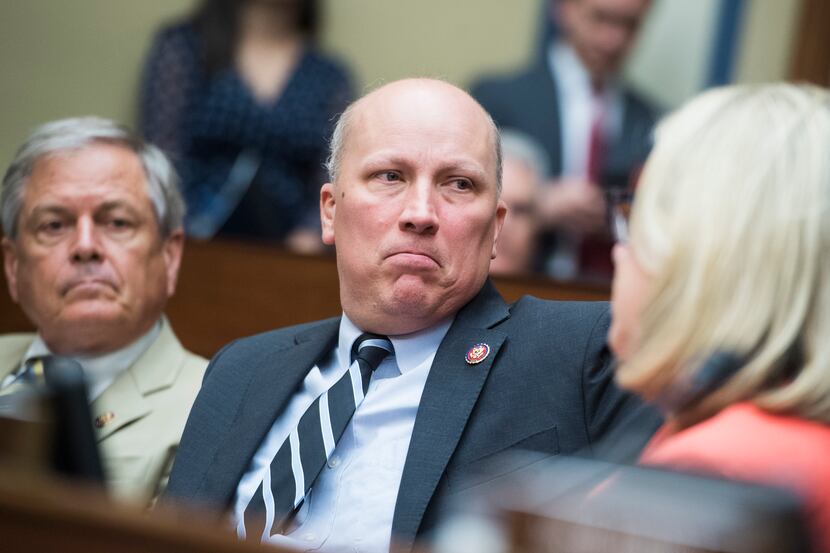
x: 572, y: 73
x: 411, y: 350
x: 574, y: 82
x: 101, y: 370
x: 567, y: 66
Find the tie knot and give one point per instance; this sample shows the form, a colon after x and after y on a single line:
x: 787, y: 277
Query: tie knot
x: 34, y: 371
x: 372, y: 349
x: 54, y: 370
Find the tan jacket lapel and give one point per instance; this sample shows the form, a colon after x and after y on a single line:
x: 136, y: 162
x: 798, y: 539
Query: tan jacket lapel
x: 124, y: 400
x: 12, y: 349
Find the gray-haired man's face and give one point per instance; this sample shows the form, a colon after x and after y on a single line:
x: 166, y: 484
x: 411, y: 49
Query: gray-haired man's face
x: 88, y: 265
x: 602, y: 31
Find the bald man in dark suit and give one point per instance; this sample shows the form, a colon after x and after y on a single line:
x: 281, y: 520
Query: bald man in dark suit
x: 413, y: 208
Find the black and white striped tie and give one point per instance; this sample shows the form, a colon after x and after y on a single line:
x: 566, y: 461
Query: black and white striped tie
x: 308, y: 446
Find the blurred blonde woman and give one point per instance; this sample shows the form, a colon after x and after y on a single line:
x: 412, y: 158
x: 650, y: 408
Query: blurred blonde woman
x: 721, y: 298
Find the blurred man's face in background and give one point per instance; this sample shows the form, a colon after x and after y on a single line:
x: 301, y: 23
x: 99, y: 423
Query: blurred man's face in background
x: 518, y: 235
x: 601, y: 31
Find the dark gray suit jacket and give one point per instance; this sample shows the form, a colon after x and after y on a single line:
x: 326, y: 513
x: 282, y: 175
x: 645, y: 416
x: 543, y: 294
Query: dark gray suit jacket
x: 528, y: 101
x: 546, y: 386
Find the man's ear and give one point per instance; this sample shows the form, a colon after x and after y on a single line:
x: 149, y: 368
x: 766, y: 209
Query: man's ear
x: 501, y: 213
x: 328, y: 199
x: 10, y: 266
x: 172, y: 251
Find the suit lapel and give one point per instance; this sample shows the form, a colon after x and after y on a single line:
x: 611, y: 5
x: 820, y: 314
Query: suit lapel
x: 121, y: 404
x: 547, y: 116
x: 124, y: 400
x: 450, y: 393
x: 631, y: 146
x: 12, y: 349
x: 275, y: 378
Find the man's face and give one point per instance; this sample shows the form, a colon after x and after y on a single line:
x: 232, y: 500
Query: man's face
x: 518, y: 236
x: 602, y: 31
x: 88, y: 265
x: 414, y: 212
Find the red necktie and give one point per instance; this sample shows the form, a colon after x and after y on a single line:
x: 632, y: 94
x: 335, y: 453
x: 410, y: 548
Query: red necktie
x: 595, y: 251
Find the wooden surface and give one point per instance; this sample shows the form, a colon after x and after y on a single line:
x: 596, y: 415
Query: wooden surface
x: 39, y: 514
x: 811, y: 56
x: 228, y: 290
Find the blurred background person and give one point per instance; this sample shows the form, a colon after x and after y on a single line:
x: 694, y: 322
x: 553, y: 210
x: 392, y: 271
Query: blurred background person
x: 241, y: 99
x: 721, y: 299
x: 524, y: 166
x: 92, y: 219
x: 594, y: 127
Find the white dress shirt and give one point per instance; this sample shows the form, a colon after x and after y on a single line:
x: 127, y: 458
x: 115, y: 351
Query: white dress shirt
x: 578, y: 106
x: 100, y: 370
x: 351, y: 504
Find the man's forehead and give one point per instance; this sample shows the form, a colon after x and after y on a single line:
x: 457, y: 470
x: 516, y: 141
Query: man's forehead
x: 439, y: 115
x: 101, y: 151
x: 406, y: 98
x: 96, y: 174
x: 93, y: 165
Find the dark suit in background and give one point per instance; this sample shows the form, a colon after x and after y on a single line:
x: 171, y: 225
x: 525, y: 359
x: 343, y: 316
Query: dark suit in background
x: 546, y: 386
x: 528, y: 101
x: 578, y: 65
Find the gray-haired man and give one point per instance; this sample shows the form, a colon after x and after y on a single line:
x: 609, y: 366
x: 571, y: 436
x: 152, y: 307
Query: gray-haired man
x: 92, y: 219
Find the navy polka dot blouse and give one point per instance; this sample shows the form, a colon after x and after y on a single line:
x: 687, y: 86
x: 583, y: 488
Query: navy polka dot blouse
x: 247, y: 168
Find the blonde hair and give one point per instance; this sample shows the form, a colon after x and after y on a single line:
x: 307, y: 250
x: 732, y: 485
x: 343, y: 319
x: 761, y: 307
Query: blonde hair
x: 731, y: 220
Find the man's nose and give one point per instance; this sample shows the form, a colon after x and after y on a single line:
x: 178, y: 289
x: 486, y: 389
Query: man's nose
x: 615, y: 38
x: 419, y: 211
x: 87, y: 245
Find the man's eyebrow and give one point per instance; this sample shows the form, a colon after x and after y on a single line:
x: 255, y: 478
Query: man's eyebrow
x: 116, y: 204
x: 467, y: 167
x: 49, y: 208
x: 55, y: 208
x: 464, y: 166
x: 381, y: 158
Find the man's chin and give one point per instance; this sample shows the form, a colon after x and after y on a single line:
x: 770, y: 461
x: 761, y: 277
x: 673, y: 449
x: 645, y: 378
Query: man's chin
x: 92, y: 312
x: 414, y: 290
x: 87, y: 332
x: 416, y: 305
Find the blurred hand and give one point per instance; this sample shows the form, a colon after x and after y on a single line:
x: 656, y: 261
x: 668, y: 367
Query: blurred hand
x: 574, y: 205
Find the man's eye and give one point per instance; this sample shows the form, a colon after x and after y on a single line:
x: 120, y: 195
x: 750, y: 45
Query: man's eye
x: 389, y: 176
x: 462, y: 184
x: 120, y: 224
x: 52, y: 227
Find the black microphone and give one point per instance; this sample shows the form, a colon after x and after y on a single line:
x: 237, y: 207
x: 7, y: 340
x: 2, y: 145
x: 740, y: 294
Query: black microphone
x: 75, y: 449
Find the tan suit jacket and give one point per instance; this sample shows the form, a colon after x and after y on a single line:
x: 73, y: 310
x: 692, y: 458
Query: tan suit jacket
x: 139, y: 418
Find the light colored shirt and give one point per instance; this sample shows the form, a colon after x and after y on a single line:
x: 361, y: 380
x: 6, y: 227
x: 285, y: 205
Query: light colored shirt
x: 579, y: 105
x: 351, y: 504
x: 99, y: 370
